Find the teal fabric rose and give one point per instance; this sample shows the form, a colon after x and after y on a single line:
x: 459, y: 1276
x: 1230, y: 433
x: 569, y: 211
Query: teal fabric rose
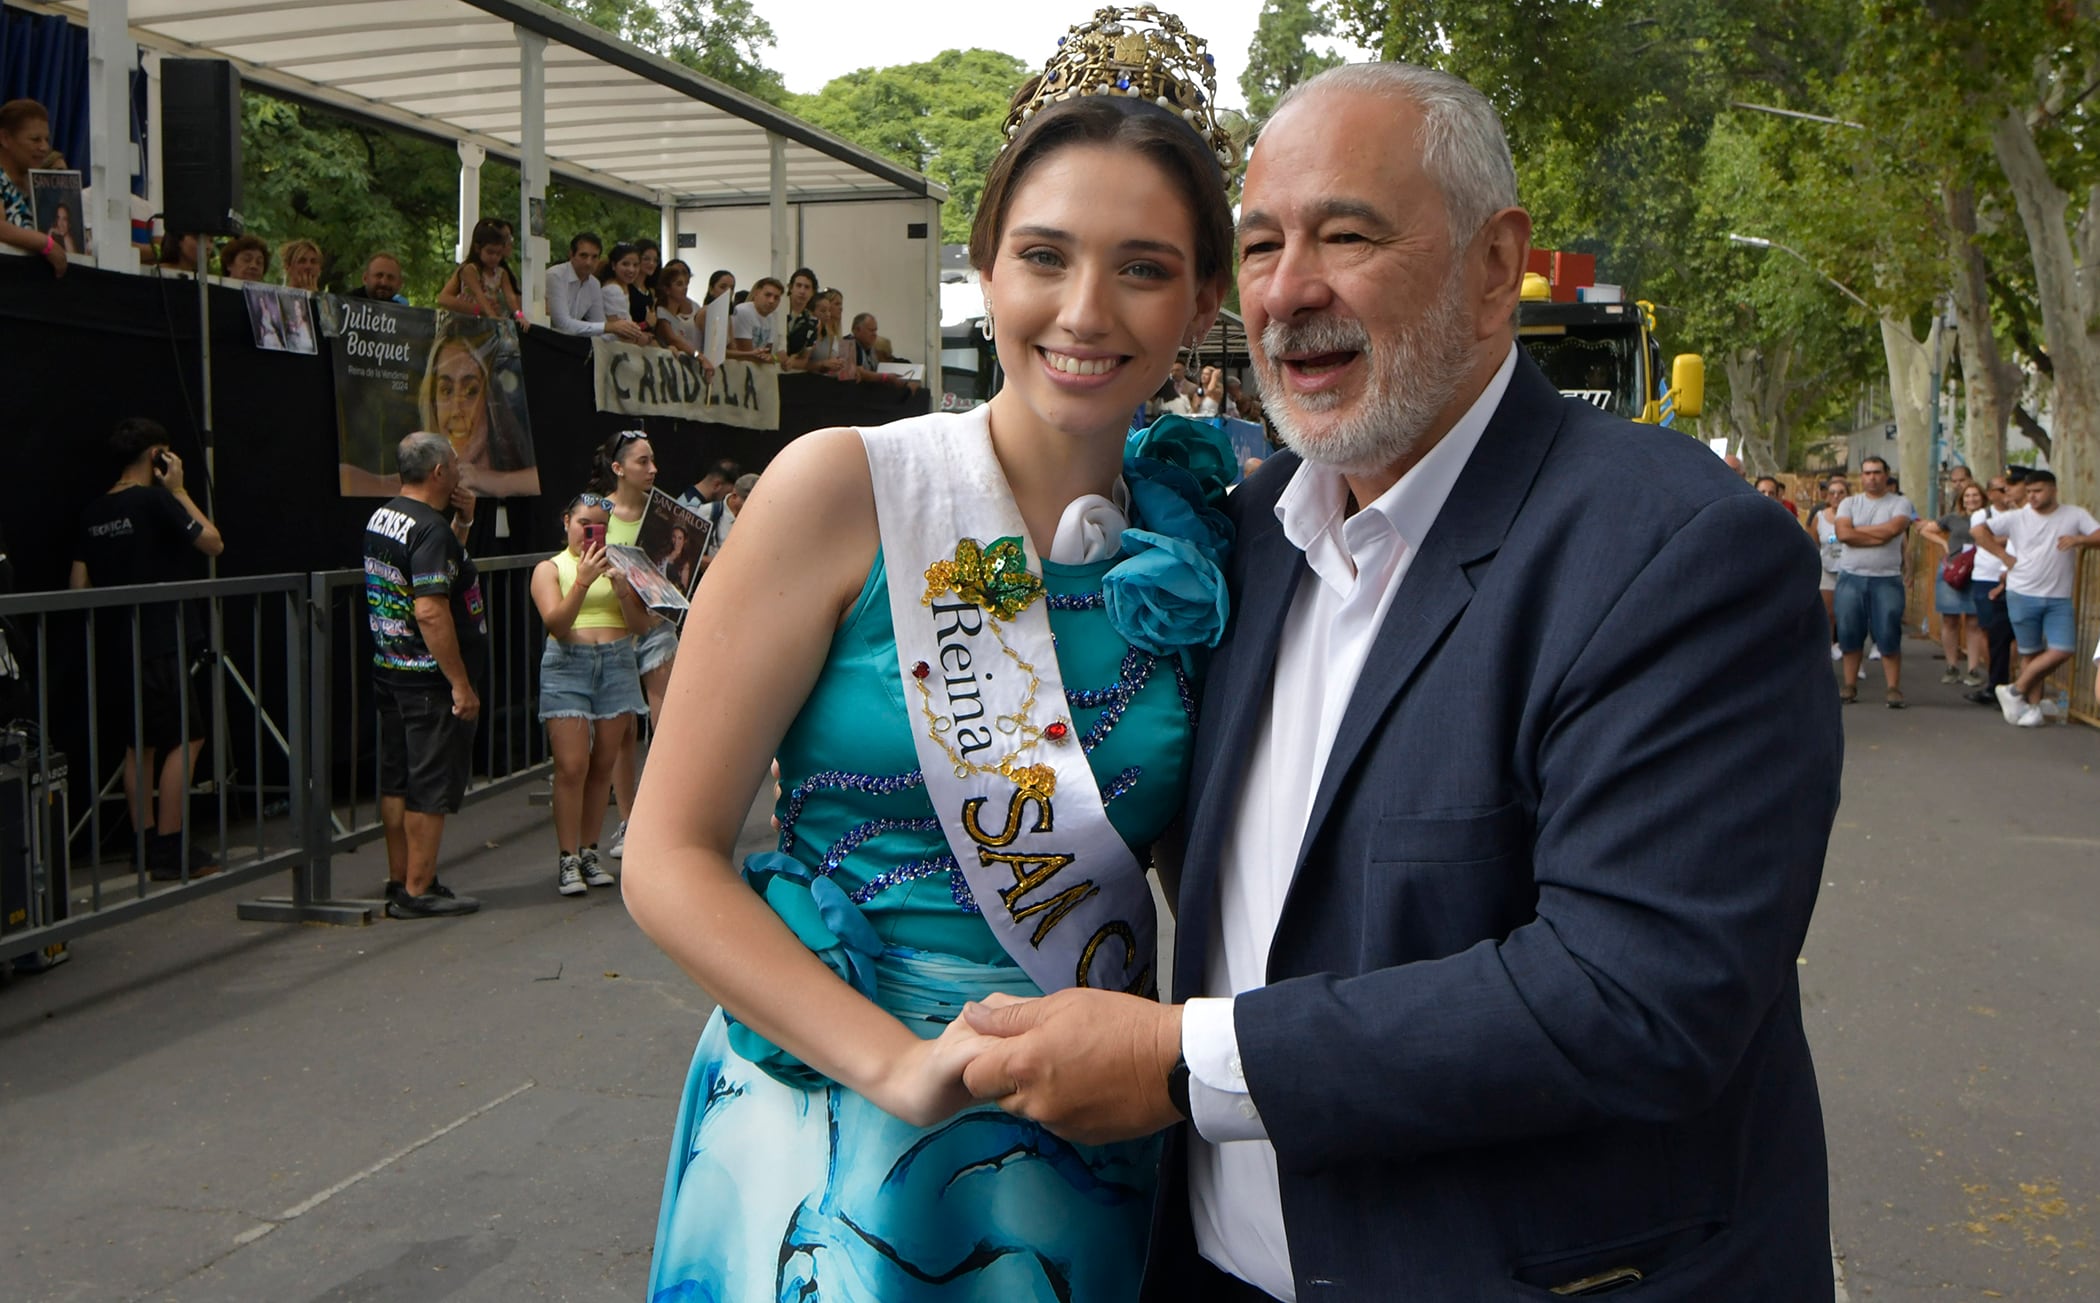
x: 1197, y: 447
x: 1167, y: 500
x: 826, y: 920
x: 1166, y: 595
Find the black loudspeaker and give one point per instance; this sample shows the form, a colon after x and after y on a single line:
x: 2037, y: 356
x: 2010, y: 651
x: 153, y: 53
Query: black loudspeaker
x: 200, y: 133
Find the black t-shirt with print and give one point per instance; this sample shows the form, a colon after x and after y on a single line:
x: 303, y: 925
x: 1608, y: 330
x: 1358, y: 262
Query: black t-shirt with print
x: 142, y: 535
x: 410, y: 552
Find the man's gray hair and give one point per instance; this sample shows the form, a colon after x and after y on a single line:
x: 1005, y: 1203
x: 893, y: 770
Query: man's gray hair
x: 420, y: 454
x: 746, y: 483
x: 1463, y: 147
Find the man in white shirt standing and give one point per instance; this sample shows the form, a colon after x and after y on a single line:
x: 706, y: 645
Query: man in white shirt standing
x: 2039, y: 545
x: 752, y: 330
x: 1486, y: 954
x: 575, y: 303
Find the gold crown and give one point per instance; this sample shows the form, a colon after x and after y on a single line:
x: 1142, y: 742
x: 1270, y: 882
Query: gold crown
x: 1160, y: 61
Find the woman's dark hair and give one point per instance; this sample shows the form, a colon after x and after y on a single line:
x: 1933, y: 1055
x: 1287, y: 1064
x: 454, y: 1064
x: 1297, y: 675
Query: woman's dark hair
x: 17, y: 114
x: 714, y: 276
x: 129, y: 441
x: 171, y: 240
x: 614, y: 451
x: 804, y: 273
x: 236, y: 247
x: 664, y: 274
x: 613, y: 255
x: 1121, y: 123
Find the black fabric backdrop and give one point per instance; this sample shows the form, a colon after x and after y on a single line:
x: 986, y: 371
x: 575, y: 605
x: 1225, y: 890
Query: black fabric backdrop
x: 80, y: 353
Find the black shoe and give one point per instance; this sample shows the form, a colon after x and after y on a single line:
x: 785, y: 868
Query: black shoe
x: 395, y: 890
x: 429, y: 905
x: 164, y: 860
x: 1982, y: 697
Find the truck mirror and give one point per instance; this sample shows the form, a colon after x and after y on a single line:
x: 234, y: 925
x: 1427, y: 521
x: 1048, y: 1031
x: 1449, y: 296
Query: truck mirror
x: 1688, y: 383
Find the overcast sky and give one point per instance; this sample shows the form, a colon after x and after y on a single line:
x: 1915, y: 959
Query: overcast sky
x: 823, y: 39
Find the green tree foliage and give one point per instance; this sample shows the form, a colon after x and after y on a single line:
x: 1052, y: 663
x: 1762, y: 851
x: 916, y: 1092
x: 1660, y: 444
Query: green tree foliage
x: 945, y: 117
x: 723, y: 39
x: 1281, y: 54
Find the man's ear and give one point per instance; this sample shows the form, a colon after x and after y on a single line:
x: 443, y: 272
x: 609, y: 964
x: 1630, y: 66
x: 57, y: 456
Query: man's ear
x: 1499, y: 253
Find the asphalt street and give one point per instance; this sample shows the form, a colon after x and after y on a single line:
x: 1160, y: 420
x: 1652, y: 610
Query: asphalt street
x: 197, y: 1108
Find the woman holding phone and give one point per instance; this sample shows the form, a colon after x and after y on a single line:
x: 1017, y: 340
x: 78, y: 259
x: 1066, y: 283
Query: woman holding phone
x: 590, y: 691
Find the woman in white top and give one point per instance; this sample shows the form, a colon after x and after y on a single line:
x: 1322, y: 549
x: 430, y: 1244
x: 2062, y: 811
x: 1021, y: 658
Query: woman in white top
x: 620, y: 282
x: 1823, y: 524
x: 1210, y: 397
x: 679, y: 323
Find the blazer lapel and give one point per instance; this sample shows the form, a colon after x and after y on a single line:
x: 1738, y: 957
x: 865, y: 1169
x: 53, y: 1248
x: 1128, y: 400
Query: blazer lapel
x: 1471, y: 527
x: 1235, y: 700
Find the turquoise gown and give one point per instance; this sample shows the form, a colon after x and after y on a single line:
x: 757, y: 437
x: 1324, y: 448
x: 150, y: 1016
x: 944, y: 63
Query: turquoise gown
x: 778, y: 1191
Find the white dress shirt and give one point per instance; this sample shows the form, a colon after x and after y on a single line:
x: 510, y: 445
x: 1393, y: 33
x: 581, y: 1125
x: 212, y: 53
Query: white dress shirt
x: 1354, y: 566
x: 574, y: 305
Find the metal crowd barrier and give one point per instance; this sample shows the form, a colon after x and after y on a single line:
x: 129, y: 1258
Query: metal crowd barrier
x: 288, y: 776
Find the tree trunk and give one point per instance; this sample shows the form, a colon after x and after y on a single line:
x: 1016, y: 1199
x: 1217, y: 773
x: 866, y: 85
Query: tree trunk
x: 1990, y: 381
x: 1910, y: 394
x: 1757, y: 393
x: 2066, y: 309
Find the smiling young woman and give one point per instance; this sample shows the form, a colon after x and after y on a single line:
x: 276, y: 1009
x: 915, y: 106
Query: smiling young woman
x: 920, y: 583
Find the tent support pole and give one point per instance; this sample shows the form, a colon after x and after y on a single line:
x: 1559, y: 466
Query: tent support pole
x: 532, y: 171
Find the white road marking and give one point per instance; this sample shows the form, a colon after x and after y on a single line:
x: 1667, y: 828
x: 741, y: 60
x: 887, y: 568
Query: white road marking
x: 256, y: 1232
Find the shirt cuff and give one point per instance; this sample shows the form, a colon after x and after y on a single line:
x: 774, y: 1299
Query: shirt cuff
x: 1219, y: 1102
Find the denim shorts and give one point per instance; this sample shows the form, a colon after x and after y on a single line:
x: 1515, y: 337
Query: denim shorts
x: 1949, y: 600
x: 2039, y: 622
x: 1870, y: 606
x: 654, y: 649
x: 595, y: 680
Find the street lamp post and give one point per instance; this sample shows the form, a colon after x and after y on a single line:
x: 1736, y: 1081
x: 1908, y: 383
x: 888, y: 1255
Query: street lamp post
x: 1759, y: 242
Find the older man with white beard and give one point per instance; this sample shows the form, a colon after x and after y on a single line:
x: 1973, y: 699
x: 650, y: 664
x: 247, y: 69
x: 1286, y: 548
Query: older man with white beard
x: 1485, y: 948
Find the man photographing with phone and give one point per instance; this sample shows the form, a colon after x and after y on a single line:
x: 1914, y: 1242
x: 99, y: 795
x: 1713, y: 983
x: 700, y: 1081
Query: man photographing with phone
x: 147, y: 530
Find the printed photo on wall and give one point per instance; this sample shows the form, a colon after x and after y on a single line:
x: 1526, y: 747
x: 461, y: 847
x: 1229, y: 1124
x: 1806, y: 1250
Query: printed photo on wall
x: 54, y: 196
x: 674, y: 538
x: 280, y: 318
x: 400, y: 369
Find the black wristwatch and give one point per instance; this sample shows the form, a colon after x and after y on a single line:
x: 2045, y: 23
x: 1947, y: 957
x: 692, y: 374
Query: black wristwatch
x: 1178, y: 1086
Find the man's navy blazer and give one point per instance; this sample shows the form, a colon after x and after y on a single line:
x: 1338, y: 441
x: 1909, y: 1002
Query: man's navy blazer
x: 1532, y: 1011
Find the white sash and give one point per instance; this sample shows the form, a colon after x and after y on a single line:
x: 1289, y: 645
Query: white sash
x: 1016, y: 798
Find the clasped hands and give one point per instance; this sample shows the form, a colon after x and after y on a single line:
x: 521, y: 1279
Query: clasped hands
x: 1090, y: 1066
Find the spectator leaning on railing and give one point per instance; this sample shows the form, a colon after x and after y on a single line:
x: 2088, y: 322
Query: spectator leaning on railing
x: 752, y: 335
x: 382, y: 279
x: 576, y: 303
x: 25, y: 141
x: 620, y: 290
x: 301, y: 260
x: 483, y: 286
x: 2039, y: 545
x: 246, y: 258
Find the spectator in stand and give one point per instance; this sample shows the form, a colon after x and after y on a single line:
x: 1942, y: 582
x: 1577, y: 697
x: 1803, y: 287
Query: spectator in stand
x: 25, y: 141
x: 1959, y: 630
x: 1871, y: 526
x: 1987, y: 587
x: 382, y: 279
x: 801, y: 325
x: 752, y: 330
x: 712, y: 486
x: 620, y: 289
x: 146, y: 530
x: 652, y: 256
x: 301, y: 260
x: 2039, y: 544
x: 483, y: 285
x: 680, y: 325
x: 1822, y: 524
x: 576, y: 303
x: 828, y: 351
x: 179, y: 250
x: 722, y: 282
x: 869, y: 355
x: 246, y: 258
x: 428, y: 627
x: 590, y: 690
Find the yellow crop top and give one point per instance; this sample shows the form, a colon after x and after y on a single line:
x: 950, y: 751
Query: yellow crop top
x: 601, y: 605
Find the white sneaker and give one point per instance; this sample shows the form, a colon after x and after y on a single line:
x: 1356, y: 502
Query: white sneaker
x: 1874, y: 655
x: 569, y: 882
x: 2031, y: 717
x: 1836, y: 653
x: 618, y: 846
x: 2010, y: 703
x: 594, y: 874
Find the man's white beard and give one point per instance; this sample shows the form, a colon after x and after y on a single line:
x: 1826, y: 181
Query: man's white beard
x: 1410, y: 379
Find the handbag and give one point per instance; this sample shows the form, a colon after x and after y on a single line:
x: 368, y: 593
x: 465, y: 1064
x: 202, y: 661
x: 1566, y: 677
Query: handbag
x: 1956, y: 569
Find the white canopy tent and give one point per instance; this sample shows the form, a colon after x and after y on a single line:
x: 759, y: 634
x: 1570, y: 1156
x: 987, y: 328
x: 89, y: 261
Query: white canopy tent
x: 521, y: 80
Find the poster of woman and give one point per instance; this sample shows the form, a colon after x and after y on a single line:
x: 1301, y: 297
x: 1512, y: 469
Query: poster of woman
x: 55, y: 196
x: 401, y: 369
x: 673, y: 537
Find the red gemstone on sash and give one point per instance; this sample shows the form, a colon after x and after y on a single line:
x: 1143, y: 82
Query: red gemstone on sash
x: 921, y: 670
x: 1058, y: 731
